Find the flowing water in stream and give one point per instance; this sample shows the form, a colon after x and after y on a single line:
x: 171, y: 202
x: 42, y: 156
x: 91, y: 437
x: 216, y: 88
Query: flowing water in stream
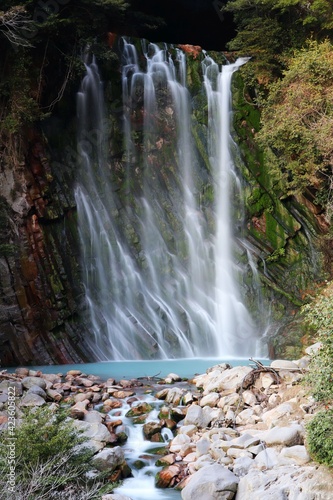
x: 141, y: 455
x: 160, y: 275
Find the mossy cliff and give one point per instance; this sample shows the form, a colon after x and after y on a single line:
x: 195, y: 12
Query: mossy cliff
x: 289, y: 233
x: 42, y: 312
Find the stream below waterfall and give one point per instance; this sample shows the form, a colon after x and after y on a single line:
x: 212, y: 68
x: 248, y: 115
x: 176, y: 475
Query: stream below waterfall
x: 141, y: 455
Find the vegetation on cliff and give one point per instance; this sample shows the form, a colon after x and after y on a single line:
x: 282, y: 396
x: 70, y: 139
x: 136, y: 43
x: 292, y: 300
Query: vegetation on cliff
x: 271, y: 30
x: 42, y: 42
x: 297, y: 125
x: 290, y: 42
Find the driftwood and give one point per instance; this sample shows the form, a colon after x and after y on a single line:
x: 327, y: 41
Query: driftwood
x: 251, y: 377
x: 9, y: 376
x: 152, y: 378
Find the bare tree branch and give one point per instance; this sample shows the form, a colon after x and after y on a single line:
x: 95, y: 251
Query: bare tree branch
x: 16, y: 26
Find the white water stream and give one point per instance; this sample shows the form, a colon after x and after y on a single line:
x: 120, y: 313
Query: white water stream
x: 160, y: 281
x: 142, y: 485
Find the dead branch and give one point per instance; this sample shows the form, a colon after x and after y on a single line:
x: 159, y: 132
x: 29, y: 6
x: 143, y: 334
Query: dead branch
x: 8, y: 376
x: 14, y: 23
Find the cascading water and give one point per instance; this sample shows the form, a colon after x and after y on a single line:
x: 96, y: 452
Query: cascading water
x: 159, y: 276
x: 233, y: 322
x: 140, y: 455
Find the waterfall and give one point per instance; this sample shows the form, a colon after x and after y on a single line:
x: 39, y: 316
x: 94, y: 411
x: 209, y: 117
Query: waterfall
x: 233, y: 322
x: 160, y: 276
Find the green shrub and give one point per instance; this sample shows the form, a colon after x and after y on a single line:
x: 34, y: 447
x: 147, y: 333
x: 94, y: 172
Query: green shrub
x: 319, y: 316
x: 320, y: 437
x: 50, y: 459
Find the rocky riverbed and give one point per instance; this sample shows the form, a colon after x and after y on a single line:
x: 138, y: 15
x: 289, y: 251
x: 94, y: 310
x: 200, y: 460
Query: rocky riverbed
x: 234, y: 432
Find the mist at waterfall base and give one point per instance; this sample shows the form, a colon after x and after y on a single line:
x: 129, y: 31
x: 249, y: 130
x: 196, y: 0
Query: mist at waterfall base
x: 159, y: 268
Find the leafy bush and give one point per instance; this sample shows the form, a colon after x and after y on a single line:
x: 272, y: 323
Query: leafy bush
x: 48, y: 434
x: 297, y: 121
x: 319, y: 315
x: 51, y: 460
x: 269, y: 30
x: 320, y: 437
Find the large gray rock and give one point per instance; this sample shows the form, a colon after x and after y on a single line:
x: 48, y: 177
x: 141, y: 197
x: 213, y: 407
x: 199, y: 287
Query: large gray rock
x: 203, y: 461
x: 303, y: 363
x: 36, y: 389
x: 52, y: 377
x: 227, y: 380
x: 245, y: 441
x: 296, y: 454
x: 267, y: 459
x: 211, y: 414
x: 290, y: 377
x: 174, y: 396
x: 178, y: 442
x: 210, y: 400
x: 28, y: 382
x: 314, y: 348
x: 196, y: 416
x: 284, y: 364
x: 286, y: 436
x: 248, y: 416
x: 228, y: 401
x: 213, y: 482
x: 23, y: 372
x: 274, y: 416
x: 91, y: 445
x: 94, y: 431
x: 108, y: 459
x: 3, y: 398
x: 93, y: 416
x: 279, y: 483
x: 203, y: 446
x: 242, y: 465
x: 188, y: 429
x: 201, y: 417
x: 32, y: 400
x: 11, y: 383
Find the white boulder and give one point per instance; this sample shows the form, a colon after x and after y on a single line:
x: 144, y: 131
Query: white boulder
x: 213, y: 482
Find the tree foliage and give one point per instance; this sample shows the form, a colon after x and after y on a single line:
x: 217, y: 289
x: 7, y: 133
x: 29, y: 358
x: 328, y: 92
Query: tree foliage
x: 297, y: 122
x: 30, y: 22
x: 268, y: 29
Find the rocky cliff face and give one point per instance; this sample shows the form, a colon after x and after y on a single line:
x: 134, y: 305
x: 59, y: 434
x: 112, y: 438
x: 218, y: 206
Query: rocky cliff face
x: 39, y: 275
x: 42, y: 316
